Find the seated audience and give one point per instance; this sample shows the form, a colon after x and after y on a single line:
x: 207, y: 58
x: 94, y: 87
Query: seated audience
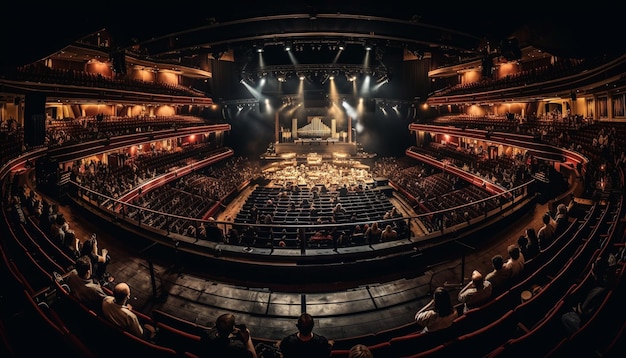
x: 83, y: 287
x: 372, y: 234
x: 389, y: 234
x: 214, y: 232
x: 588, y: 301
x: 227, y: 339
x: 118, y: 311
x: 545, y: 235
x: 305, y: 343
x: 99, y: 261
x: 438, y: 313
x: 499, y: 277
x: 476, y: 292
x: 201, y: 232
x: 573, y: 210
x: 522, y: 243
x: 360, y: 351
x: 515, y: 263
x: 532, y: 247
x: 561, y: 220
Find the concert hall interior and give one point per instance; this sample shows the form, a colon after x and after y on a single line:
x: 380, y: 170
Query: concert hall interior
x: 348, y: 160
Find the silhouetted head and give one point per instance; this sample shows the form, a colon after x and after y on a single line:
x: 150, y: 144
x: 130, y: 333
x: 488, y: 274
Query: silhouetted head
x: 497, y: 261
x: 83, y: 266
x: 522, y: 241
x: 443, y: 305
x: 305, y: 324
x: 513, y: 251
x: 225, y: 324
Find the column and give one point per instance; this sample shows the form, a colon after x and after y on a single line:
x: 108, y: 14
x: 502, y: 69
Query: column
x: 349, y: 129
x: 294, y: 128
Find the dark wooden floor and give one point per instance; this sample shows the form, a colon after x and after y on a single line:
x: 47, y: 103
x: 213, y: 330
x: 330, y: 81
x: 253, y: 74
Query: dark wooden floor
x: 161, y: 278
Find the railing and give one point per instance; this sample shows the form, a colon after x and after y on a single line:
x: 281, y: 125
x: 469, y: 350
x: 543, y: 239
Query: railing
x: 118, y: 210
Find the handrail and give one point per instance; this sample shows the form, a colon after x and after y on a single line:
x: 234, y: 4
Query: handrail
x: 119, y: 207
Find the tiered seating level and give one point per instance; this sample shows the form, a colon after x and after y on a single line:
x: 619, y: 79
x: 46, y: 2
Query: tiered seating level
x: 368, y: 205
x: 502, y: 327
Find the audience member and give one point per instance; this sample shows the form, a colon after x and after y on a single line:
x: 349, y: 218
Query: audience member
x: 389, y: 234
x: 44, y: 219
x: 227, y: 339
x: 438, y: 313
x: 360, y: 351
x: 83, y: 287
x: 476, y: 292
x: 214, y: 232
x: 572, y: 207
x: 545, y: 235
x: 118, y: 311
x: 99, y: 261
x: 522, y: 243
x: 499, y: 277
x: 305, y: 343
x: 532, y: 247
x: 57, y: 230
x: 515, y: 263
x: 586, y: 303
x: 372, y: 233
x: 201, y: 232
x: 561, y: 220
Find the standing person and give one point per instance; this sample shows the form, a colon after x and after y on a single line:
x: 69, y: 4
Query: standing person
x: 438, y: 313
x: 476, y: 292
x: 227, y: 339
x: 305, y: 343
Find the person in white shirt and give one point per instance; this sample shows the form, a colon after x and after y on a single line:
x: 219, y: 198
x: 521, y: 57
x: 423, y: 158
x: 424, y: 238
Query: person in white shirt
x: 438, y: 313
x: 476, y: 292
x: 515, y: 263
x: 546, y: 232
x: 117, y: 310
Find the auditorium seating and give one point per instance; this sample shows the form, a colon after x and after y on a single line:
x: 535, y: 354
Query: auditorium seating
x: 607, y: 317
x: 518, y: 328
x: 536, y: 342
x: 409, y: 344
x: 176, y: 339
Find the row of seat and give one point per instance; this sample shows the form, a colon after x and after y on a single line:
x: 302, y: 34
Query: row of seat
x: 510, y: 320
x: 503, y: 328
